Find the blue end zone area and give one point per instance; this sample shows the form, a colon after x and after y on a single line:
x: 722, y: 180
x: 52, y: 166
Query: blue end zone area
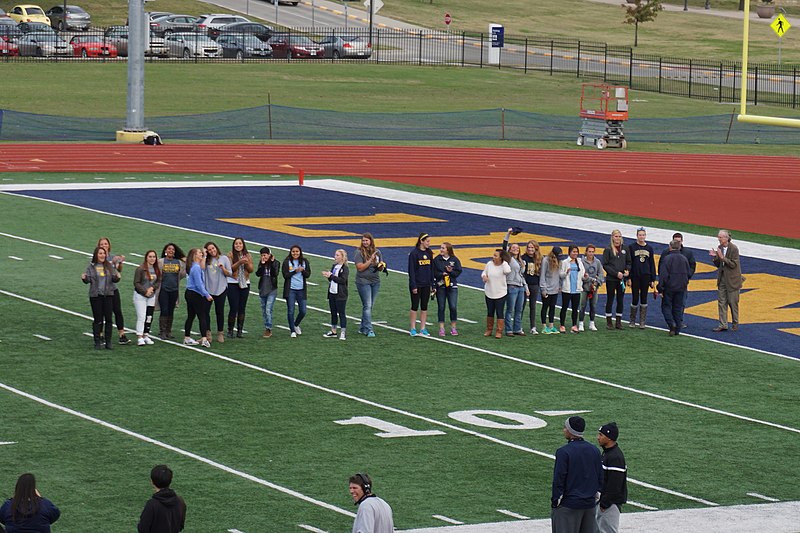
x: 323, y: 220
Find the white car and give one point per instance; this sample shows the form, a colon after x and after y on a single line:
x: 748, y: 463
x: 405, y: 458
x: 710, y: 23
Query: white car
x: 215, y: 21
x: 190, y: 45
x: 43, y: 44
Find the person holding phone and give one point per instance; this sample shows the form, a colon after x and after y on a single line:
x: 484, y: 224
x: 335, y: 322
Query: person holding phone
x: 267, y: 273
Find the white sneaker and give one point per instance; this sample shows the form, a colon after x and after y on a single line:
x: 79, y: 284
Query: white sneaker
x: 188, y: 341
x: 293, y: 335
x: 205, y: 344
x: 342, y: 336
x: 330, y: 335
x: 297, y: 330
x: 534, y: 331
x: 140, y: 341
x: 580, y: 326
x: 592, y: 327
x: 148, y: 341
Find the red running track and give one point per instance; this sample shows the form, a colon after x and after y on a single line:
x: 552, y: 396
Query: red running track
x: 758, y: 194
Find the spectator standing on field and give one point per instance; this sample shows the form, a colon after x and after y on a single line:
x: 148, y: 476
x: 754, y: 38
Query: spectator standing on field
x: 100, y: 275
x: 517, y: 288
x: 218, y: 270
x: 421, y: 284
x: 643, y: 277
x: 550, y: 286
x: 337, y: 278
x: 117, y: 261
x: 238, y: 285
x: 577, y: 480
x: 572, y: 277
x: 532, y: 265
x: 495, y: 291
x: 165, y: 512
x: 146, y: 282
x: 173, y: 270
x: 685, y: 252
x: 369, y: 264
x: 374, y: 514
x: 446, y: 269
x: 267, y: 273
x: 673, y: 285
x: 592, y: 280
x: 615, y: 480
x: 28, y: 511
x: 617, y: 264
x: 295, y: 271
x: 729, y: 280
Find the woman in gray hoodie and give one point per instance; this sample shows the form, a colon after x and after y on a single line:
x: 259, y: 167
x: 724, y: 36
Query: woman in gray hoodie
x: 550, y: 286
x: 101, y: 276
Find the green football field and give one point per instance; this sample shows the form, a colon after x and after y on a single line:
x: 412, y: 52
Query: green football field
x: 262, y: 434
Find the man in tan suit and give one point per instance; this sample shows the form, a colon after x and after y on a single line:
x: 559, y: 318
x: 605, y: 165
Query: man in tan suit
x: 729, y: 280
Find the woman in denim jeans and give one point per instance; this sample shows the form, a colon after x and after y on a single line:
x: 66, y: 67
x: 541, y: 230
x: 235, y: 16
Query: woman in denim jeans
x: 296, y: 270
x: 446, y: 269
x: 517, y: 288
x: 369, y: 264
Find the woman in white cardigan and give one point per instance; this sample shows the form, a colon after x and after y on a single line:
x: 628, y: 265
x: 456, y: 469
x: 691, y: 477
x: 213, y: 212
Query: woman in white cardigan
x: 572, y: 275
x: 496, y: 288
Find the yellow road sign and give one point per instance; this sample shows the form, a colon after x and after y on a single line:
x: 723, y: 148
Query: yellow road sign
x: 780, y: 25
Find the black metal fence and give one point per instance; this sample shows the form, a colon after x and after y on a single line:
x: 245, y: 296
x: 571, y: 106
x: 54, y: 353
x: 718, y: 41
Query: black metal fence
x: 719, y: 81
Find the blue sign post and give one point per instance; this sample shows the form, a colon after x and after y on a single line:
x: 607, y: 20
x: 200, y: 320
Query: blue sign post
x: 498, y: 36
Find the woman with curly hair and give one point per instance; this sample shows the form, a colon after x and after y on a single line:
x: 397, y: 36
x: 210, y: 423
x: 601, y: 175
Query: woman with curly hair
x: 173, y: 270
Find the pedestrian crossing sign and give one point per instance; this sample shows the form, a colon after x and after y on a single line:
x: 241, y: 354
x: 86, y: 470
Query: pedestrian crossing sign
x: 780, y: 25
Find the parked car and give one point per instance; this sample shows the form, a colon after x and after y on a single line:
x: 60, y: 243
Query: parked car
x: 351, y: 46
x: 43, y: 44
x: 75, y: 19
x: 215, y: 21
x: 166, y: 24
x: 8, y: 49
x: 285, y: 2
x: 291, y: 46
x: 189, y: 45
x: 261, y: 31
x: 118, y: 36
x: 243, y: 46
x: 28, y: 13
x: 3, y: 14
x: 9, y: 30
x: 35, y: 27
x: 92, y: 46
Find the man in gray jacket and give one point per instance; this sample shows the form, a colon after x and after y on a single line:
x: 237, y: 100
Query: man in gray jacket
x: 374, y: 515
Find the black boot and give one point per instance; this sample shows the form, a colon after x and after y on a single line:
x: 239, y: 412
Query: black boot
x: 231, y: 322
x: 162, y: 327
x: 239, y: 326
x: 609, y: 323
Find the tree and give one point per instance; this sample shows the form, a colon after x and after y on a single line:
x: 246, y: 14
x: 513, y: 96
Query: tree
x: 641, y: 11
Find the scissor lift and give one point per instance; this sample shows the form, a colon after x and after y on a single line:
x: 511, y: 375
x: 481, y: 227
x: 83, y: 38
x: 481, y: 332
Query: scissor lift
x: 603, y: 109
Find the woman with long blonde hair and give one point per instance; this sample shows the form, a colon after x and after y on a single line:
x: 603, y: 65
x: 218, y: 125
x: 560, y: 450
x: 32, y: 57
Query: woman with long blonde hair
x: 617, y: 264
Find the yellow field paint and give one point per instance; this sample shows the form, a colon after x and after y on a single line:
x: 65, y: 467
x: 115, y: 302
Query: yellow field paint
x: 494, y: 238
x: 793, y: 331
x: 764, y: 299
x: 291, y: 225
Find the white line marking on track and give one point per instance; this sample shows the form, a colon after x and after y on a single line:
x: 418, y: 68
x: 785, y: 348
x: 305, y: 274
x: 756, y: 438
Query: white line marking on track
x: 369, y: 402
x: 42, y: 337
x: 448, y: 520
x: 175, y: 449
x: 762, y: 497
x: 513, y: 514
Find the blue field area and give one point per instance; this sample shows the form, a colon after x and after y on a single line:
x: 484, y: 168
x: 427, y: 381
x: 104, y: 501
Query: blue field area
x: 770, y: 311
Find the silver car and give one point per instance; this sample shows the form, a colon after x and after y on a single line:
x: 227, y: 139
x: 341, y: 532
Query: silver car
x: 189, y: 45
x: 349, y: 46
x: 118, y: 36
x: 76, y: 18
x: 43, y: 45
x: 166, y: 24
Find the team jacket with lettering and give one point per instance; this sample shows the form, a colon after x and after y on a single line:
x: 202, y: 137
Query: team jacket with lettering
x: 420, y: 268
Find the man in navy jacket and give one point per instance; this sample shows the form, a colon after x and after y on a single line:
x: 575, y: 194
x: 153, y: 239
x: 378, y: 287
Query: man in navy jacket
x: 673, y: 286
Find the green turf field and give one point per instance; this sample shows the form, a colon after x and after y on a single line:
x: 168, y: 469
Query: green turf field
x: 250, y: 426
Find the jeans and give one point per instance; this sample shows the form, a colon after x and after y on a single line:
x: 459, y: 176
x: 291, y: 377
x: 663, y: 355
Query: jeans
x: 495, y: 306
x: 368, y: 293
x: 592, y: 304
x: 267, y: 303
x: 516, y: 300
x: 672, y: 304
x: 447, y: 296
x: 295, y: 296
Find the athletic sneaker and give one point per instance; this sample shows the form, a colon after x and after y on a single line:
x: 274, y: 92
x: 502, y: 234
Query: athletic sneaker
x: 454, y: 332
x: 580, y: 326
x: 148, y: 341
x: 424, y: 332
x: 574, y: 329
x: 205, y: 344
x: 371, y: 335
x: 561, y: 329
x: 140, y: 341
x: 329, y: 335
x: 293, y: 335
x: 592, y: 327
x: 413, y: 332
x: 441, y: 332
x: 342, y: 336
x: 123, y: 339
x: 188, y: 341
x: 297, y: 330
x: 534, y: 331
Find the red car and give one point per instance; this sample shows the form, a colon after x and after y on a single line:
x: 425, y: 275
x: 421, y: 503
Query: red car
x: 298, y: 46
x: 8, y: 49
x: 92, y: 46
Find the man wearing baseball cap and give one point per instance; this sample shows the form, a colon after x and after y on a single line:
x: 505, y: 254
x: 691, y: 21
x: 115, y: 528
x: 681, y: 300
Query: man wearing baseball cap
x: 577, y: 479
x: 615, y: 480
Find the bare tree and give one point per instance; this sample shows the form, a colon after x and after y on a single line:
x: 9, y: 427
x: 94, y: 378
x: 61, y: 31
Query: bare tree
x: 641, y: 11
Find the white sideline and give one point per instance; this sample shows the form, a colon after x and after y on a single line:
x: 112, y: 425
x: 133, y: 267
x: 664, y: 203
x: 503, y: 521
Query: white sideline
x: 759, y: 518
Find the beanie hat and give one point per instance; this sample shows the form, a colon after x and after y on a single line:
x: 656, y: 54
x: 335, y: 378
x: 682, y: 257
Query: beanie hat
x: 575, y: 425
x: 610, y: 430
x: 265, y: 250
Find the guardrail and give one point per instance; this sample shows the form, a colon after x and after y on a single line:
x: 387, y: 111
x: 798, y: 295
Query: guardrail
x: 719, y: 81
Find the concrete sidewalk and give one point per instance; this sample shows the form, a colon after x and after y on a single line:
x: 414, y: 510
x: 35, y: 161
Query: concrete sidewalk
x: 757, y: 518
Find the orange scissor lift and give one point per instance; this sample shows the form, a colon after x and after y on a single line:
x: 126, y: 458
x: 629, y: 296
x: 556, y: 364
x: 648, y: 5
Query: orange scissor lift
x: 603, y: 109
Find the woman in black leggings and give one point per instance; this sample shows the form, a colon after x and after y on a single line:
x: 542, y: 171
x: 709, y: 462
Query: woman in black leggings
x: 617, y: 264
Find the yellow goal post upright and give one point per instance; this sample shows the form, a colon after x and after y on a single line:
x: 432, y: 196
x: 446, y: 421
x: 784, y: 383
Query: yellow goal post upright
x: 743, y: 116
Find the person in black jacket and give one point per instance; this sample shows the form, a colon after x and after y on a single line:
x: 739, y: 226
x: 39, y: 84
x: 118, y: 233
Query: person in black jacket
x: 673, y: 285
x: 165, y: 512
x: 337, y: 294
x: 685, y: 252
x: 617, y: 264
x: 267, y: 272
x: 446, y: 269
x: 295, y: 270
x: 615, y: 480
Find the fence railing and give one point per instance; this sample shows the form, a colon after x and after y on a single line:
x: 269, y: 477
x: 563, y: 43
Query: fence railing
x: 719, y: 81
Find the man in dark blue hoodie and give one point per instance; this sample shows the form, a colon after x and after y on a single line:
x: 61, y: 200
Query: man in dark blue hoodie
x: 165, y: 512
x: 673, y: 286
x: 577, y: 480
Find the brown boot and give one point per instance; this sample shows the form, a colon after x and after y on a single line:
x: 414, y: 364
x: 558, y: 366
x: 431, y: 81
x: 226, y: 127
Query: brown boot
x: 642, y: 316
x: 634, y: 312
x: 220, y: 337
x: 162, y: 327
x: 609, y: 322
x: 489, y: 326
x: 501, y: 324
x: 618, y: 323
